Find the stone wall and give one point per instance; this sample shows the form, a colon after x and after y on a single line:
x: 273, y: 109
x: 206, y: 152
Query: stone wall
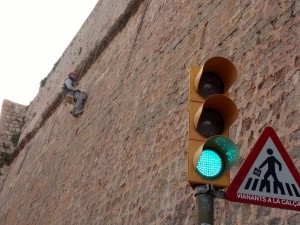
x: 11, y: 121
x: 124, y: 160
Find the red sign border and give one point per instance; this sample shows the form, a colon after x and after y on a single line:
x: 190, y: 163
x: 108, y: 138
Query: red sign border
x: 231, y: 192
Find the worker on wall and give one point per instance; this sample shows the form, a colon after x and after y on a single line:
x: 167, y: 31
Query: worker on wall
x: 69, y: 88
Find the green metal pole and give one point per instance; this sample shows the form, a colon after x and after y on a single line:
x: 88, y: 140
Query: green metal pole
x: 204, y: 205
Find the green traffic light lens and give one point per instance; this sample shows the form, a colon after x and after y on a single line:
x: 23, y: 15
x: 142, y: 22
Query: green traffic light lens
x: 210, y: 164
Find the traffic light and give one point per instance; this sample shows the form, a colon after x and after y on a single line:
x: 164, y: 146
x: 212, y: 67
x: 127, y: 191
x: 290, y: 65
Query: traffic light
x: 211, y: 153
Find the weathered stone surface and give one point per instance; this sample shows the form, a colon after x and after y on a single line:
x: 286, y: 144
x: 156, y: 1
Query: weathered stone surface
x: 124, y: 160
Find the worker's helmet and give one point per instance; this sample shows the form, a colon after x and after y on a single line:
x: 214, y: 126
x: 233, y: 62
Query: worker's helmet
x: 74, y: 75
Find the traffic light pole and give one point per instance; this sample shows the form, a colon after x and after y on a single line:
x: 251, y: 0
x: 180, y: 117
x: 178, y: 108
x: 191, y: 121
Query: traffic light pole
x: 204, y: 204
x: 205, y: 195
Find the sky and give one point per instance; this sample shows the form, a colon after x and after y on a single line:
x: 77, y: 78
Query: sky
x: 34, y: 34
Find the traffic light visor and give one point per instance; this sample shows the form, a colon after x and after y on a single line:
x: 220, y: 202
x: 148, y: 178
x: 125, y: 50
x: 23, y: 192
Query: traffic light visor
x: 226, y: 147
x: 215, y: 77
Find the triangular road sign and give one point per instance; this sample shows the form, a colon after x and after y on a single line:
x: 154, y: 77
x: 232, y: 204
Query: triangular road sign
x: 268, y: 176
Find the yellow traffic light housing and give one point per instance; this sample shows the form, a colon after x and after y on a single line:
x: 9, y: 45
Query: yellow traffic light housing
x: 211, y: 153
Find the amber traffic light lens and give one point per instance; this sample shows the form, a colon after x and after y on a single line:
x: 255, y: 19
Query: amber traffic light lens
x: 210, y: 123
x: 210, y: 84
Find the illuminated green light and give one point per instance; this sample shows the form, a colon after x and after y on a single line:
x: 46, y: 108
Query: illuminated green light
x: 210, y: 164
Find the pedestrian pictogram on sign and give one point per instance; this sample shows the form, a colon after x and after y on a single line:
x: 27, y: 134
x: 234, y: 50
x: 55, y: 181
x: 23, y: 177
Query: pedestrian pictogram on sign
x: 268, y: 176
